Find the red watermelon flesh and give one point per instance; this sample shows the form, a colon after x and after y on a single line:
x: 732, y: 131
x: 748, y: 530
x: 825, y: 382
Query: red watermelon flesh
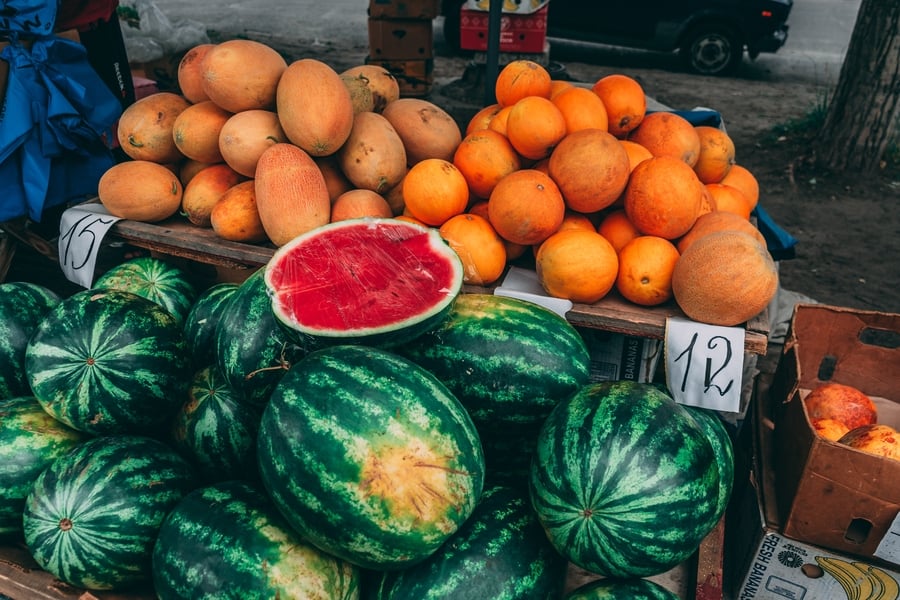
x: 374, y: 281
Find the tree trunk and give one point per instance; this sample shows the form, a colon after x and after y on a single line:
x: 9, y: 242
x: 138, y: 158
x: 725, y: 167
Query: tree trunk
x: 863, y: 114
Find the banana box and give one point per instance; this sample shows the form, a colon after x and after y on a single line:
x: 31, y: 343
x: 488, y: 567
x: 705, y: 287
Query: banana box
x: 519, y: 7
x: 519, y: 33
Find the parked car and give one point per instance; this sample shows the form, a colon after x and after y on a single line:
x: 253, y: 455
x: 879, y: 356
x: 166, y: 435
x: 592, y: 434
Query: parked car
x: 710, y: 35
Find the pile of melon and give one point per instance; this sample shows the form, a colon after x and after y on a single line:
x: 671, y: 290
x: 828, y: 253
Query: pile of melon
x: 581, y: 183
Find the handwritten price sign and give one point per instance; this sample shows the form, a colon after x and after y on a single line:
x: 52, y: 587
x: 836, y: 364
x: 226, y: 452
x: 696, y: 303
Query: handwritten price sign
x: 81, y: 230
x: 704, y: 364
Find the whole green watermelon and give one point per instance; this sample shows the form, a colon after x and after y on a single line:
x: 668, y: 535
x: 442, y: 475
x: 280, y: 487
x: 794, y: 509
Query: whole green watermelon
x: 624, y: 481
x: 228, y: 541
x: 22, y: 307
x: 369, y: 456
x: 215, y: 431
x: 201, y: 321
x: 30, y: 440
x: 621, y: 589
x: 500, y: 553
x: 108, y: 361
x: 718, y: 436
x: 93, y: 515
x: 155, y: 279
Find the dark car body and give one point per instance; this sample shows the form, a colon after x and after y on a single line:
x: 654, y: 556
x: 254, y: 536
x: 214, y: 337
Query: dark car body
x: 710, y: 35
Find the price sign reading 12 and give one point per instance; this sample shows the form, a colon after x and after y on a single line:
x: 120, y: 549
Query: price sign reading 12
x: 704, y: 364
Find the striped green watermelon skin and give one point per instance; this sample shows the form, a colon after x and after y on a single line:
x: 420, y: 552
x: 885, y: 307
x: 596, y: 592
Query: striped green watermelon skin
x: 22, y: 307
x: 108, y: 361
x: 623, y: 480
x: 228, y: 540
x: 369, y: 457
x: 200, y: 322
x: 507, y: 360
x: 215, y: 431
x: 155, y: 279
x: 93, y: 515
x: 621, y: 589
x: 252, y: 350
x: 30, y: 440
x: 720, y: 439
x: 500, y: 553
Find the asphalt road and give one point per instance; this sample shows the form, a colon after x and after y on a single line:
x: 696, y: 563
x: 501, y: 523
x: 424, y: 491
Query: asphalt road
x: 819, y: 34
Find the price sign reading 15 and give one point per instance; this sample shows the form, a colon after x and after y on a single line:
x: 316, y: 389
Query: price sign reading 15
x: 704, y: 364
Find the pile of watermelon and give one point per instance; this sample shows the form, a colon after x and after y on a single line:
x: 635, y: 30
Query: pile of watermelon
x: 337, y: 429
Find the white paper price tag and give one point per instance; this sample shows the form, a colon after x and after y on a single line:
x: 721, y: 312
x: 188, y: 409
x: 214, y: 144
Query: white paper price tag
x: 81, y: 229
x: 704, y: 364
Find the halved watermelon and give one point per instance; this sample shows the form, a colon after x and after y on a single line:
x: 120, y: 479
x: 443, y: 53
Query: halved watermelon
x: 379, y: 282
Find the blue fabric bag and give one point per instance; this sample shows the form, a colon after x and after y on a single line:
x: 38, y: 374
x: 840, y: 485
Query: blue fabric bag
x: 28, y: 17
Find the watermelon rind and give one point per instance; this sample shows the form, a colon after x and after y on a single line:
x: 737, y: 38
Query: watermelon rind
x: 94, y: 513
x: 374, y: 281
x: 202, y: 319
x: 22, y: 307
x: 228, y: 540
x: 620, y: 589
x: 623, y: 480
x: 722, y: 445
x: 500, y: 553
x: 30, y: 439
x: 369, y: 456
x: 154, y: 279
x: 215, y: 431
x: 108, y: 361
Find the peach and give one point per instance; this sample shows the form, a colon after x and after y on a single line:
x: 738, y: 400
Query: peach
x: 882, y: 440
x: 830, y: 429
x: 843, y: 403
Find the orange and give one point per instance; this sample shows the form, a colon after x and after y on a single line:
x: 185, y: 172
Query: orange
x: 578, y: 265
x: 358, y: 203
x: 645, y: 270
x: 668, y: 134
x: 481, y: 118
x: 663, y: 197
x: 582, y: 109
x: 591, y: 169
x: 716, y: 154
x: 484, y: 157
x: 617, y: 228
x: 715, y: 221
x: 636, y: 153
x: 729, y: 199
x: 410, y: 219
x: 535, y: 126
x: 707, y: 200
x: 744, y: 180
x: 499, y: 120
x: 526, y: 207
x: 519, y: 79
x: 481, y: 250
x: 625, y: 102
x: 558, y: 86
x: 434, y: 190
x: 513, y: 250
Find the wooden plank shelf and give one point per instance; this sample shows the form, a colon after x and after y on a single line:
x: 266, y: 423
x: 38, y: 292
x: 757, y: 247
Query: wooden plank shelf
x: 176, y: 237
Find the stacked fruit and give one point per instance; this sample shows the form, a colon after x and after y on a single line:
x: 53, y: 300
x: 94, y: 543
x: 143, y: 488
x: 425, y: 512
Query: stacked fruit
x: 844, y: 414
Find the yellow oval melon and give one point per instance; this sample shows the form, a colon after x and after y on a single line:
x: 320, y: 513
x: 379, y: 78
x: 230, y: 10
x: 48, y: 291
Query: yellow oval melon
x: 196, y: 131
x: 242, y: 74
x: 384, y: 86
x: 246, y: 135
x: 144, y: 130
x: 140, y: 190
x: 205, y: 189
x: 427, y: 130
x: 235, y: 216
x: 190, y: 73
x: 373, y: 157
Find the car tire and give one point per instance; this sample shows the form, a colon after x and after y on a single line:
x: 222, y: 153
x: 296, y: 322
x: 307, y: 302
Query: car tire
x: 712, y: 50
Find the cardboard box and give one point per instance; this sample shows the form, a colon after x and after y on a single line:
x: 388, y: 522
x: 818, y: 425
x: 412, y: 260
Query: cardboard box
x: 616, y: 356
x: 415, y: 77
x: 829, y: 494
x: 400, y: 39
x: 404, y: 9
x: 519, y: 33
x: 520, y: 7
x: 763, y: 563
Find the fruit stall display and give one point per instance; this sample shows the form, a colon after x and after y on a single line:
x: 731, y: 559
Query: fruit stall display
x: 360, y: 416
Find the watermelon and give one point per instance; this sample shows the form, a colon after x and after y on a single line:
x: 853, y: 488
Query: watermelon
x: 200, y: 322
x: 227, y: 540
x: 30, y: 440
x: 369, y: 456
x: 623, y: 480
x: 109, y: 361
x: 154, y: 279
x: 215, y: 431
x: 93, y: 515
x: 718, y: 436
x: 507, y: 360
x: 251, y: 350
x: 620, y: 589
x: 378, y: 282
x: 500, y: 553
x: 22, y: 307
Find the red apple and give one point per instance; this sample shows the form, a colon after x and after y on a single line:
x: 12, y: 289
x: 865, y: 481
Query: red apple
x: 830, y: 429
x: 882, y: 440
x: 842, y: 403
